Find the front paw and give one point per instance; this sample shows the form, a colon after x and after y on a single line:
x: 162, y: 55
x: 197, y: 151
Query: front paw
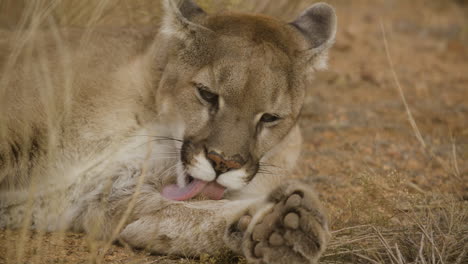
x: 293, y: 230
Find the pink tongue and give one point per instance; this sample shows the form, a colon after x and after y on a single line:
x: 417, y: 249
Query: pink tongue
x: 211, y: 189
x: 214, y: 191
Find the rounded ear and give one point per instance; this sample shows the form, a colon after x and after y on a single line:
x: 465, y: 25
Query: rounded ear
x: 180, y: 17
x: 189, y: 9
x: 318, y: 25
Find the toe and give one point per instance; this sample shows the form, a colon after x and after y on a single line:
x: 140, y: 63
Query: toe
x: 276, y: 239
x: 291, y: 220
x: 294, y: 201
x: 258, y: 250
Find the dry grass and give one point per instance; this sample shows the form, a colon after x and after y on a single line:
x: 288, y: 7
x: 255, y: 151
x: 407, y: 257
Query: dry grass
x: 400, y: 226
x: 415, y: 211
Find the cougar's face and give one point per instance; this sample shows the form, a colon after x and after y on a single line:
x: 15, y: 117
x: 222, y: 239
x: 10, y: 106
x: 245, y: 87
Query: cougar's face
x: 233, y: 110
x: 234, y: 84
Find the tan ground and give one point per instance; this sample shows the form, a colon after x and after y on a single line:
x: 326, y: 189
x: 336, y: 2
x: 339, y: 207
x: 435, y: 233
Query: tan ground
x: 396, y: 193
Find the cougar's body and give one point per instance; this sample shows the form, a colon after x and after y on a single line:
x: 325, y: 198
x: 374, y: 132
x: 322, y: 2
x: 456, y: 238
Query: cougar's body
x: 192, y: 125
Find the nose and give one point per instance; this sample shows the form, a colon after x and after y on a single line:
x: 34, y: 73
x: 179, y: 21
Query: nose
x: 222, y: 165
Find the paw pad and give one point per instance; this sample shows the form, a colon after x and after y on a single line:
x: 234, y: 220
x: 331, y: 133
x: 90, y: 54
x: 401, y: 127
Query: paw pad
x: 260, y: 232
x: 289, y: 232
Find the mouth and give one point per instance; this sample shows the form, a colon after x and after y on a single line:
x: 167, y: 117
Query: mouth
x: 194, y: 187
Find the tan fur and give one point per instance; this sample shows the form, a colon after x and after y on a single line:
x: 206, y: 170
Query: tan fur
x: 86, y: 120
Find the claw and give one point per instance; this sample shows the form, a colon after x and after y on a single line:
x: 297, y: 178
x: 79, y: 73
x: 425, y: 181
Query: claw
x: 244, y: 222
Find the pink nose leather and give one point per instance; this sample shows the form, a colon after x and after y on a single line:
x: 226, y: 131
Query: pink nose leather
x: 222, y: 165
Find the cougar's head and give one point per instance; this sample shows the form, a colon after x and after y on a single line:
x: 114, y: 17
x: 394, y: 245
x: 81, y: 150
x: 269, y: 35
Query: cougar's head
x: 235, y: 84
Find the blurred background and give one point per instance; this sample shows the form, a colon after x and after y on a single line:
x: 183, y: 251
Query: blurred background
x: 385, y: 127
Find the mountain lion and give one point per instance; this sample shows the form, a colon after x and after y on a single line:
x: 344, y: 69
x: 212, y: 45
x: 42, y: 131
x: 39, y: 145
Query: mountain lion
x: 174, y: 139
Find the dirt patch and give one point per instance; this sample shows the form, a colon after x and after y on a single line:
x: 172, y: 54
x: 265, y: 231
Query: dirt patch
x: 372, y: 168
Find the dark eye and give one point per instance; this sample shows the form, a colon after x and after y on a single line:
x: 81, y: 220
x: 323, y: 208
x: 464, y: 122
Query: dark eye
x: 206, y: 95
x: 268, y: 118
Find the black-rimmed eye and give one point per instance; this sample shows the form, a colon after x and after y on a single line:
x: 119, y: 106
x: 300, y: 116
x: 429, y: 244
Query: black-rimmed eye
x: 206, y: 95
x: 269, y: 118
